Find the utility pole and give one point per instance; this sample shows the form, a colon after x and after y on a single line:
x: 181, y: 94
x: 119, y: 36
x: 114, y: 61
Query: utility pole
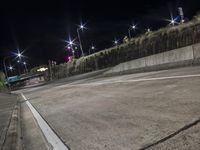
x: 4, y: 64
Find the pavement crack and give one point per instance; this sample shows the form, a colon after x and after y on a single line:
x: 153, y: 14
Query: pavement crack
x: 195, y: 122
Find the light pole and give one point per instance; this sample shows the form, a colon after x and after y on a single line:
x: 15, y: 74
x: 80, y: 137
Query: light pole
x: 133, y: 27
x: 11, y: 72
x: 117, y: 46
x: 93, y: 49
x: 4, y: 64
x: 73, y: 52
x: 19, y: 55
x: 26, y: 70
x: 18, y: 65
x: 71, y: 47
x: 81, y: 27
x: 116, y: 43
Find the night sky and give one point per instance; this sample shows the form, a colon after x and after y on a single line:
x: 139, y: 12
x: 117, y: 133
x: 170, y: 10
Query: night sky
x: 40, y: 27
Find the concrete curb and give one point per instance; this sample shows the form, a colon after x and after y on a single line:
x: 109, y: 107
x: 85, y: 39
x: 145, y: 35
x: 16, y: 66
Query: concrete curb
x: 13, y: 136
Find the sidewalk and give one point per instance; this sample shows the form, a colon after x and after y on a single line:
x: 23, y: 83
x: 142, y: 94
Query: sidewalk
x: 7, y: 105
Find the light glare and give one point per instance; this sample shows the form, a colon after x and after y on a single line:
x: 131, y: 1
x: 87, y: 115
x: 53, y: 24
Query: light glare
x: 42, y: 69
x: 133, y: 27
x: 10, y: 68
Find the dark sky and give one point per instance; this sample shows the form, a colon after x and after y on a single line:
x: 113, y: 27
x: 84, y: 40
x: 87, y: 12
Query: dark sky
x: 40, y: 27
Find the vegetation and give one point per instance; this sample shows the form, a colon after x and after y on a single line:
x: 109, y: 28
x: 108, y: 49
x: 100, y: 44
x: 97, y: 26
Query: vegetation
x: 3, y: 87
x: 165, y: 39
x: 197, y: 17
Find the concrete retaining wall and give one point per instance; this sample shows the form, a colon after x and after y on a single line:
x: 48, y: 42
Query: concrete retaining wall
x: 196, y: 50
x: 179, y: 57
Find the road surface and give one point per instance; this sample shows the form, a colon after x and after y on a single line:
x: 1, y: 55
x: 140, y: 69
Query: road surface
x: 124, y: 112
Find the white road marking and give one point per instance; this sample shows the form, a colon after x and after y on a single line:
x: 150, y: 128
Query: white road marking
x: 51, y: 137
x: 136, y: 80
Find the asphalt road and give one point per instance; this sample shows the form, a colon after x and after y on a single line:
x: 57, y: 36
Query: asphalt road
x: 123, y: 112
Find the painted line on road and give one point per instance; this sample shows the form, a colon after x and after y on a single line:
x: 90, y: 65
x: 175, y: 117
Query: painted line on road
x: 139, y: 80
x: 50, y: 135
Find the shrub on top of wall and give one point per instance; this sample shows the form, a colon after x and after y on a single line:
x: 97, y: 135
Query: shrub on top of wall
x: 164, y: 39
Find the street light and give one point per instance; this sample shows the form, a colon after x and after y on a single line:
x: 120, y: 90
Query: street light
x: 70, y: 46
x: 92, y: 48
x: 133, y: 27
x: 172, y: 22
x: 18, y: 64
x: 10, y: 68
x: 73, y: 52
x: 19, y: 54
x: 25, y: 66
x: 81, y: 27
x: 116, y: 42
x: 70, y: 43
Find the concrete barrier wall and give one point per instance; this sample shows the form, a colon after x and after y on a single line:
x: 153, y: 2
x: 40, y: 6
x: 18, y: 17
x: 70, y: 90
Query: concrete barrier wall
x: 178, y: 57
x: 196, y: 52
x: 130, y: 65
